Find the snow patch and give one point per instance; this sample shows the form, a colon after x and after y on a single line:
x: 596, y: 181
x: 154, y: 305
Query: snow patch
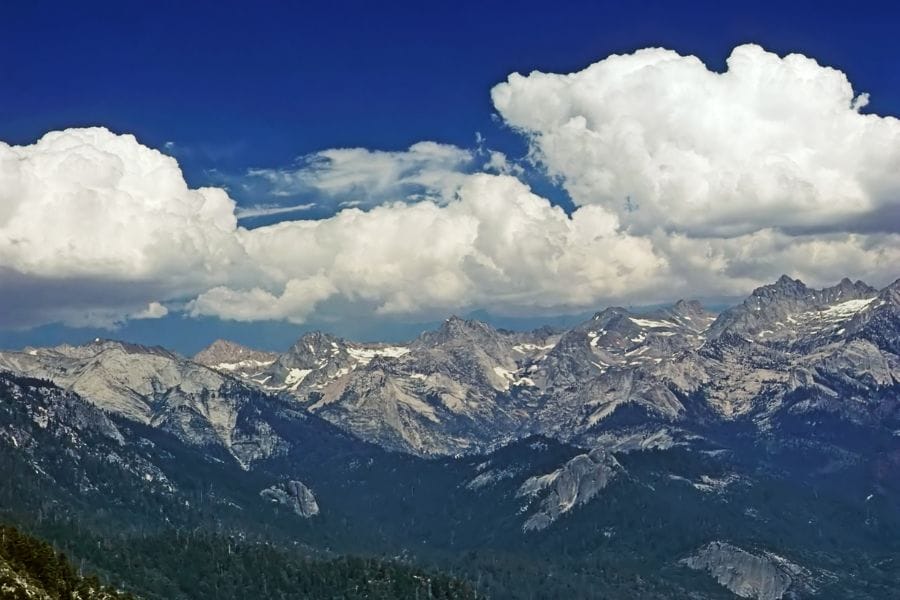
x: 295, y: 377
x: 243, y: 364
x: 651, y: 323
x: 365, y: 355
x: 845, y: 310
x: 528, y: 348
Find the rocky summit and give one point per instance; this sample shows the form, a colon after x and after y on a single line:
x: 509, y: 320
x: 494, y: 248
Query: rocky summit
x: 467, y: 387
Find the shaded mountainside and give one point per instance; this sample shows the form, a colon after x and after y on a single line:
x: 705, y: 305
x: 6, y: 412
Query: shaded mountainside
x: 610, y: 525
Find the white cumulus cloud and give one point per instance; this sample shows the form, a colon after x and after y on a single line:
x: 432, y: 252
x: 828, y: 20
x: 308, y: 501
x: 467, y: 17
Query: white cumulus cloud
x: 686, y: 183
x: 94, y: 226
x: 496, y: 244
x: 154, y: 310
x: 664, y: 142
x: 88, y: 203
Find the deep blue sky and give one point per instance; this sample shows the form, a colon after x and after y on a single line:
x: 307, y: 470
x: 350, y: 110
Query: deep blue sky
x: 239, y: 85
x: 257, y: 83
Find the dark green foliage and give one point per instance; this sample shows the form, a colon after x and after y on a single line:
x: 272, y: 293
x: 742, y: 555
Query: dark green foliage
x: 207, y: 567
x: 29, y: 566
x: 200, y: 566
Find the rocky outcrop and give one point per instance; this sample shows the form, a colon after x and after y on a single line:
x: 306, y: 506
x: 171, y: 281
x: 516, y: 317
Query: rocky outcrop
x: 293, y: 495
x: 761, y: 576
x: 573, y: 484
x: 125, y: 379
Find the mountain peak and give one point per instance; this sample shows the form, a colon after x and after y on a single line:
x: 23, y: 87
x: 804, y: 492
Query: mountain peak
x: 784, y: 288
x: 894, y: 286
x: 471, y: 321
x: 769, y: 307
x: 456, y: 328
x: 610, y: 312
x: 456, y: 323
x: 785, y: 284
x: 891, y: 293
x: 314, y: 344
x: 318, y: 336
x: 225, y: 351
x: 690, y: 313
x: 786, y: 279
x: 688, y: 307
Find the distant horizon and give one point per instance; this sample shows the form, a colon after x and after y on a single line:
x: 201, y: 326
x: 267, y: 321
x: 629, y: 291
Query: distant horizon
x: 288, y: 335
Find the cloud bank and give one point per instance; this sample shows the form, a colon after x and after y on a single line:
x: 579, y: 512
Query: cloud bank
x: 686, y: 182
x: 496, y: 244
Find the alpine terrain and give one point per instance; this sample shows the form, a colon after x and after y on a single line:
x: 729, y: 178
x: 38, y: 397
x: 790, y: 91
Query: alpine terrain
x: 666, y: 453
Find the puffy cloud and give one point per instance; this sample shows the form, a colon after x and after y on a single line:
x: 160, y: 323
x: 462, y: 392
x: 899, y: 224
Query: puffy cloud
x: 664, y: 142
x: 297, y: 300
x: 94, y: 226
x: 732, y: 266
x: 88, y: 203
x: 686, y: 182
x: 154, y: 310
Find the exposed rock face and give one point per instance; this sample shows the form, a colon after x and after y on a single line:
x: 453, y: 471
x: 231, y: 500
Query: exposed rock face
x: 18, y: 585
x: 881, y: 323
x: 763, y: 576
x: 294, y: 495
x: 788, y: 312
x: 573, y: 484
x: 620, y: 379
x: 126, y: 379
x: 467, y: 387
x: 53, y: 410
x: 17, y: 582
x: 490, y: 477
x: 788, y: 350
x: 447, y: 392
x: 155, y: 387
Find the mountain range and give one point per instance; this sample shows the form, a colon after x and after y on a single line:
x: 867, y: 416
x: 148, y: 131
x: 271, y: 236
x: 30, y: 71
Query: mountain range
x: 758, y: 448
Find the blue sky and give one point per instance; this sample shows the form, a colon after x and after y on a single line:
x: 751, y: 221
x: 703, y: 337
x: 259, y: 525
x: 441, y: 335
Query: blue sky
x: 241, y: 84
x: 226, y: 87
